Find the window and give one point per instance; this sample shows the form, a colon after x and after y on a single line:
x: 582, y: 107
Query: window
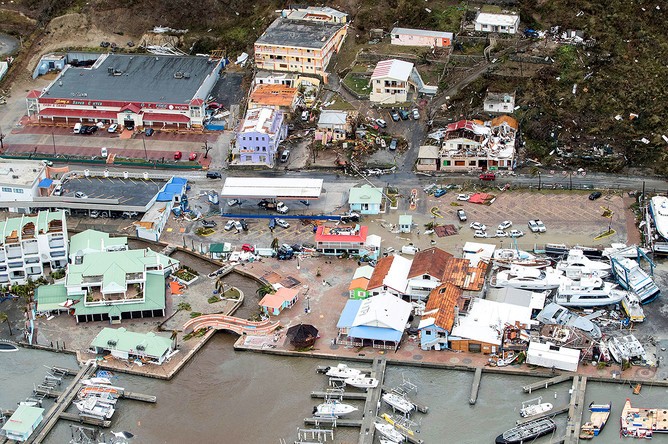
x: 257, y: 138
x: 387, y: 90
x: 243, y: 138
x: 18, y: 190
x: 6, y: 190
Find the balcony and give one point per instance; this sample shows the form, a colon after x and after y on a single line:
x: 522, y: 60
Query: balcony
x: 58, y: 253
x: 14, y: 253
x: 57, y: 243
x: 16, y: 264
x: 95, y: 298
x: 4, y: 278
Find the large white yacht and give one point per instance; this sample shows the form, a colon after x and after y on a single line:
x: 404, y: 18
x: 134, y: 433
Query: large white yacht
x: 588, y: 292
x: 528, y: 278
x: 577, y: 264
x: 658, y: 205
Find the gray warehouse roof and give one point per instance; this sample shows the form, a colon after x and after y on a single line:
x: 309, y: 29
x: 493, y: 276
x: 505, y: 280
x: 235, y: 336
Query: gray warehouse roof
x: 299, y: 33
x: 136, y: 78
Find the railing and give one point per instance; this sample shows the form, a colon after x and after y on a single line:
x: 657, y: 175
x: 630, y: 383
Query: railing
x: 237, y: 325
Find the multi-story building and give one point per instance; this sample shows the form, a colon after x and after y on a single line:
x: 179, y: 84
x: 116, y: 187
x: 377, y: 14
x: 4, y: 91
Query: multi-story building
x: 499, y: 102
x: 258, y: 137
x: 390, y: 82
x: 420, y: 37
x: 315, y: 13
x: 20, y: 181
x: 29, y: 242
x: 502, y: 23
x: 302, y: 44
x: 278, y: 97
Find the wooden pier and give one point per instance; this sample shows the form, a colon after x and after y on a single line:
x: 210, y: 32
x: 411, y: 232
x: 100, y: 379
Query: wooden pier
x: 372, y: 404
x: 546, y: 383
x: 74, y: 417
x: 554, y: 412
x: 575, y: 409
x: 475, y: 388
x: 124, y: 394
x: 353, y: 396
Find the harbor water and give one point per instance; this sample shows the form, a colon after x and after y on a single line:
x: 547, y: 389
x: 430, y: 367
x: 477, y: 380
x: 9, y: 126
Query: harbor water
x: 225, y: 396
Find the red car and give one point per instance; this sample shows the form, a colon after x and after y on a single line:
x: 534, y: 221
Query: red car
x: 178, y: 155
x: 487, y: 176
x: 248, y: 247
x: 192, y: 156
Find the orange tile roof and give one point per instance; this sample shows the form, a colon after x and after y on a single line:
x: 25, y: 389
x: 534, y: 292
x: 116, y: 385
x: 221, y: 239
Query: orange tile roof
x: 360, y: 282
x: 274, y: 95
x: 431, y: 261
x: 460, y: 273
x: 380, y: 271
x: 443, y: 299
x: 505, y: 119
x: 276, y: 300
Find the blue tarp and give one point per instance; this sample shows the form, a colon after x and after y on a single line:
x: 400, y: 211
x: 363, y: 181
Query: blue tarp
x: 348, y: 314
x: 377, y: 333
x: 164, y: 197
x: 45, y: 183
x: 179, y: 180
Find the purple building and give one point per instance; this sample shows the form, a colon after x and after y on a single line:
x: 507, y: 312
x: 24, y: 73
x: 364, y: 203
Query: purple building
x: 258, y: 137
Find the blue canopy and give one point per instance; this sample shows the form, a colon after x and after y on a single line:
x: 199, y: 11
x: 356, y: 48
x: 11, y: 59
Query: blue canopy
x: 348, y: 314
x: 45, y: 183
x: 375, y: 333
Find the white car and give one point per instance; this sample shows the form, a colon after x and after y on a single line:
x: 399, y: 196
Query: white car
x: 537, y: 226
x: 515, y: 233
x: 282, y: 208
x: 381, y: 123
x: 501, y: 233
x: 416, y: 114
x: 282, y: 223
x: 480, y: 233
x: 477, y: 226
x: 233, y: 202
x: 80, y: 195
x: 238, y: 225
x: 112, y: 128
x: 464, y: 197
x: 229, y: 225
x: 505, y: 225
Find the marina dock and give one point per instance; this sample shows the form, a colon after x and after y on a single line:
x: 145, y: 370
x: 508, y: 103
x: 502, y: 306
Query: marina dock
x: 475, y: 388
x: 358, y: 396
x: 553, y: 412
x: 123, y: 395
x: 85, y: 419
x: 546, y: 383
x: 372, y: 404
x: 575, y: 409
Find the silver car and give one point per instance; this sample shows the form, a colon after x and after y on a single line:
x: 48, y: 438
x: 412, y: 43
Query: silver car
x: 282, y: 223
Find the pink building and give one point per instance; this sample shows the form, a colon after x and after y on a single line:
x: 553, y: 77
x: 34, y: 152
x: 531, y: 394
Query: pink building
x: 420, y: 37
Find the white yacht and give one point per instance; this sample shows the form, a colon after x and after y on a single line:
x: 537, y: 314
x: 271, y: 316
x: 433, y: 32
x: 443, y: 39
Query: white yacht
x: 506, y: 257
x: 577, y: 264
x: 388, y: 431
x: 342, y: 371
x: 658, y: 205
x: 626, y: 348
x: 91, y: 406
x: 399, y: 402
x: 333, y: 409
x: 623, y: 250
x: 588, y: 292
x: 528, y: 278
x: 635, y: 279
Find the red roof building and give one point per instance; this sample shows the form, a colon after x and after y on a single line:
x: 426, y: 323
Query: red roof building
x: 341, y: 239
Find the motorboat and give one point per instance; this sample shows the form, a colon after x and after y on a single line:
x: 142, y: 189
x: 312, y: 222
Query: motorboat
x: 576, y: 263
x: 556, y: 314
x: 343, y: 371
x: 632, y: 277
x: 92, y: 407
x: 658, y: 206
x: 534, y: 407
x: 599, y: 417
x: 623, y: 250
x: 561, y: 250
x: 7, y: 346
x: 527, y: 432
x: 388, y: 431
x: 333, y: 408
x: 528, y: 278
x: 98, y: 390
x: 617, y: 350
x: 362, y: 382
x: 398, y: 402
x: 506, y: 257
x: 589, y: 291
x: 632, y: 307
x: 97, y: 381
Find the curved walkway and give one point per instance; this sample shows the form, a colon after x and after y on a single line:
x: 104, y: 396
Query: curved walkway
x: 237, y: 325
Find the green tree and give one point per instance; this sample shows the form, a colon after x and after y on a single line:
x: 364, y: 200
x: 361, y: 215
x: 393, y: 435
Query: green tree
x: 5, y: 318
x: 265, y: 290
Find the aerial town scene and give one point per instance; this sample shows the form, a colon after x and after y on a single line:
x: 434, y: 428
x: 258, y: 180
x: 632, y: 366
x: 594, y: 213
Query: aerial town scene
x: 398, y: 221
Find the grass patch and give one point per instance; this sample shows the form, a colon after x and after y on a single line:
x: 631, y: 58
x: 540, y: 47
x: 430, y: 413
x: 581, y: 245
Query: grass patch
x: 186, y: 275
x: 231, y: 293
x: 184, y: 306
x: 201, y: 231
x: 340, y: 104
x: 213, y: 299
x: 357, y: 83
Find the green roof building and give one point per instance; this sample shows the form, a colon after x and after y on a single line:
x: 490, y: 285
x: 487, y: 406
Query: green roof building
x: 123, y: 344
x: 22, y: 423
x: 365, y: 199
x: 92, y: 241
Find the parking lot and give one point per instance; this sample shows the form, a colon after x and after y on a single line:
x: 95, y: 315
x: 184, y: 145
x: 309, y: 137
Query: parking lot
x: 129, y: 192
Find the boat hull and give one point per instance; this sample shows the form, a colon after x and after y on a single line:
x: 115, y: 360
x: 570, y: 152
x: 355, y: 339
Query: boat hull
x: 534, y: 429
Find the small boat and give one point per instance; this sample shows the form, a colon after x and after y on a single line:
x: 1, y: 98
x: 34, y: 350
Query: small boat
x: 623, y: 250
x: 398, y: 402
x: 362, y: 382
x: 506, y: 257
x: 632, y: 307
x: 527, y: 432
x: 635, y: 279
x: 333, y: 409
x: 97, y: 381
x: 561, y: 250
x: 388, y: 431
x: 534, y: 407
x: 556, y: 314
x: 617, y: 350
x: 399, y: 424
x: 342, y: 371
x: 637, y: 388
x: 97, y: 390
x: 599, y: 417
x: 92, y: 407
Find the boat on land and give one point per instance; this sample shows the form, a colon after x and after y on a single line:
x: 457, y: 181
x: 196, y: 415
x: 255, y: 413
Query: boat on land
x: 7, y: 346
x: 632, y: 307
x: 639, y: 422
x: 658, y: 206
x: 589, y: 291
x: 91, y: 406
x: 599, y: 417
x: 398, y: 402
x: 507, y: 257
x: 534, y: 407
x: 561, y: 250
x: 577, y: 263
x: 623, y: 250
x: 626, y: 348
x: 333, y: 408
x: 362, y: 382
x: 528, y: 278
x: 556, y: 314
x: 342, y: 371
x: 632, y: 277
x: 388, y: 431
x: 527, y: 432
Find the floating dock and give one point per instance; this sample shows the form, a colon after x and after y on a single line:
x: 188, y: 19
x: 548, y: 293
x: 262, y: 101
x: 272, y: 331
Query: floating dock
x: 124, y: 394
x: 575, y: 409
x: 372, y: 404
x: 354, y: 396
x: 475, y: 388
x: 546, y: 383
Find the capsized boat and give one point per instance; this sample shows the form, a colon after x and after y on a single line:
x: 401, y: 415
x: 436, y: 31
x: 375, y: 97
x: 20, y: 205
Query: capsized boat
x: 556, y: 314
x: 599, y: 417
x: 343, y: 371
x: 333, y: 408
x: 527, y: 432
x: 632, y: 277
x: 534, y: 407
x: 362, y: 382
x: 92, y: 407
x: 388, y: 431
x: 398, y: 402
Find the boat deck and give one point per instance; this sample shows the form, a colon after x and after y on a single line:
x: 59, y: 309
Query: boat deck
x: 637, y: 419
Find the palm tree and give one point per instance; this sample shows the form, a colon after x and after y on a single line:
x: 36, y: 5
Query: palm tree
x: 274, y: 244
x: 265, y: 290
x: 5, y: 318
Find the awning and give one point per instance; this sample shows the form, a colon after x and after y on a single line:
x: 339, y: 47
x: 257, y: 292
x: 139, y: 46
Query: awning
x: 45, y: 183
x: 165, y: 117
x: 76, y: 113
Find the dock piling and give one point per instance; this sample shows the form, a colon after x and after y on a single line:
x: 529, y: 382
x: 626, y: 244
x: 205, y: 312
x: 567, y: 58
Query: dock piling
x: 475, y: 388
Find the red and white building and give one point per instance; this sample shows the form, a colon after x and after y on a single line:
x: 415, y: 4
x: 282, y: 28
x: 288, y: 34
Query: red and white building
x: 352, y: 240
x: 130, y: 90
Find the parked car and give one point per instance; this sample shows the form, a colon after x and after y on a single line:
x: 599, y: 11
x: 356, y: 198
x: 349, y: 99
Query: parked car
x: 91, y: 129
x: 595, y: 195
x: 238, y: 226
x: 350, y: 217
x: 395, y: 115
x: 248, y: 247
x: 463, y: 197
x: 94, y: 214
x: 440, y: 192
x: 461, y: 214
x: 213, y: 175
x: 178, y: 155
x: 505, y: 225
x: 58, y: 190
x: 80, y: 195
x: 381, y: 123
x: 112, y: 128
x: 282, y: 208
x: 537, y: 226
x: 229, y: 225
x: 515, y: 233
x: 487, y: 176
x: 208, y: 223
x: 416, y: 114
x: 282, y: 223
x: 244, y: 225
x: 480, y: 233
x: 149, y: 132
x: 500, y: 233
x: 393, y: 144
x: 192, y: 156
x: 233, y: 202
x: 403, y: 114
x: 477, y: 226
x: 285, y: 155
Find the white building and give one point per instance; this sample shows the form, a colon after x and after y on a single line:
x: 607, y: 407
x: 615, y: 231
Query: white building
x: 28, y: 242
x: 496, y: 102
x: 552, y: 356
x: 501, y: 23
x: 389, y: 82
x: 390, y: 275
x: 20, y: 181
x: 154, y: 220
x: 420, y: 37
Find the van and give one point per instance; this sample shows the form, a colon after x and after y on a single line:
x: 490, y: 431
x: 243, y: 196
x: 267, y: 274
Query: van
x: 77, y: 128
